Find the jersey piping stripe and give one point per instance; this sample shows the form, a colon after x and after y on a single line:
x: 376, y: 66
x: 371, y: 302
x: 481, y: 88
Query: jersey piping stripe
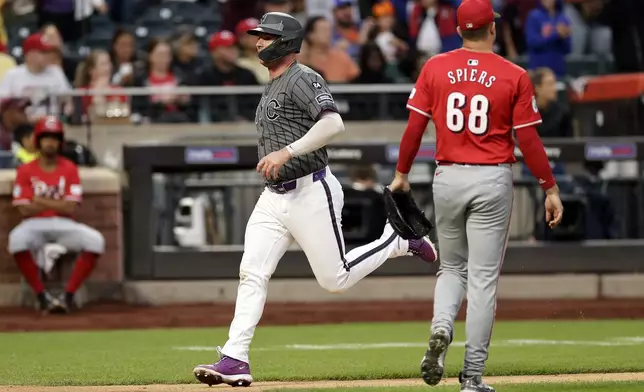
x: 336, y: 230
x: 373, y: 251
x: 418, y: 111
x: 340, y: 242
x: 496, y: 285
x: 528, y: 124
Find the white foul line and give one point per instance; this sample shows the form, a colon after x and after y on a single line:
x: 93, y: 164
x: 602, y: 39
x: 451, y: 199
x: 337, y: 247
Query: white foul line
x: 613, y: 342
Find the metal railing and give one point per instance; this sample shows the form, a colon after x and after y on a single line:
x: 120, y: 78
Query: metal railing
x: 207, y: 104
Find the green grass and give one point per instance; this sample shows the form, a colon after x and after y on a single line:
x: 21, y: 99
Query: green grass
x: 148, y: 356
x: 546, y: 387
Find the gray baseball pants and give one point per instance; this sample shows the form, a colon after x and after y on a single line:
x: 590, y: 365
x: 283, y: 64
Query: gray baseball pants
x: 472, y: 206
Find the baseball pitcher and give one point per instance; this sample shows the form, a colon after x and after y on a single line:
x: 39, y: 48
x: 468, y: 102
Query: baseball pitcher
x: 302, y: 201
x: 46, y: 192
x: 476, y: 100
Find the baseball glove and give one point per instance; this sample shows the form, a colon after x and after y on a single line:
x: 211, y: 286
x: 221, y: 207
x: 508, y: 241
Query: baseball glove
x: 404, y: 215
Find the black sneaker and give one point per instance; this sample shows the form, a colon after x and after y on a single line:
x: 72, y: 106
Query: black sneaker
x: 59, y: 305
x: 46, y: 303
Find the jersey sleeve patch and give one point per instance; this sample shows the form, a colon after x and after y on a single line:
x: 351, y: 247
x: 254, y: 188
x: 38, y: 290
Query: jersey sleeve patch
x: 324, y: 98
x: 76, y: 190
x: 534, y: 104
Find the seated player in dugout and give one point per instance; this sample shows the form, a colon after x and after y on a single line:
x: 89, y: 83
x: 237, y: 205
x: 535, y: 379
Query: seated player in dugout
x: 47, y: 191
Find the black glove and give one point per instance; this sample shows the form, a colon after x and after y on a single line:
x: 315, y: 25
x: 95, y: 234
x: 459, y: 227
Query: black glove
x: 404, y: 215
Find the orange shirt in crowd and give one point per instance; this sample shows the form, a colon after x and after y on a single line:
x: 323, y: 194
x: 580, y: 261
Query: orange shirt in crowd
x: 335, y: 65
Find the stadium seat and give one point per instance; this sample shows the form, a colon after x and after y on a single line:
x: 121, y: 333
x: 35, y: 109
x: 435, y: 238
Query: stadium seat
x: 99, y: 38
x: 174, y: 13
x: 24, y: 26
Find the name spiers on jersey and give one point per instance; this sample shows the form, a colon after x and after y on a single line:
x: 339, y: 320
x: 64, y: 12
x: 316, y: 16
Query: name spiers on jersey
x: 473, y: 75
x: 476, y: 100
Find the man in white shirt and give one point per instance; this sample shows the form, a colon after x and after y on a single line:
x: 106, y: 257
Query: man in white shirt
x: 37, y: 81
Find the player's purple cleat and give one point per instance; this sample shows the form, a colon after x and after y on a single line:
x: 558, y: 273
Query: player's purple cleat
x: 226, y: 371
x: 423, y: 248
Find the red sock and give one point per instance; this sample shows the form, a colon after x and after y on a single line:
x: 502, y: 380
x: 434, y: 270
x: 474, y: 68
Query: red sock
x: 83, y: 268
x: 29, y: 270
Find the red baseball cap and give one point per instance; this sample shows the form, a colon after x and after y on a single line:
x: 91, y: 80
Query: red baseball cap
x: 474, y: 14
x: 36, y: 41
x: 221, y: 38
x: 246, y: 24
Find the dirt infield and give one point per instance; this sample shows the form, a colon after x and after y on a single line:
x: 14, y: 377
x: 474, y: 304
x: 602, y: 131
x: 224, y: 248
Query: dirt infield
x: 267, y: 386
x: 122, y: 316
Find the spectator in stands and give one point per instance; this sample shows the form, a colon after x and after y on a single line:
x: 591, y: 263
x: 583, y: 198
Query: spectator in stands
x: 373, y: 66
x: 432, y: 18
x: 548, y: 37
x: 625, y: 20
x: 166, y: 106
x: 223, y: 70
x: 37, y: 80
x: 25, y: 150
x: 514, y: 14
x: 186, y: 51
x: 348, y: 34
x: 123, y: 55
x: 424, y: 29
x: 70, y: 16
x: 7, y: 62
x: 333, y: 63
x: 248, y: 51
x: 59, y: 55
x: 12, y: 116
x: 95, y: 72
x: 299, y: 11
x: 391, y: 46
x: 588, y: 35
x: 557, y: 121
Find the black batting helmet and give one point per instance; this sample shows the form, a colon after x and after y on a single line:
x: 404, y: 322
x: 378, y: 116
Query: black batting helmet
x: 288, y: 31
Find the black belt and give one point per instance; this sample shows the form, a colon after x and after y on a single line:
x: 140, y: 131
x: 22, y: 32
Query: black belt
x: 287, y: 186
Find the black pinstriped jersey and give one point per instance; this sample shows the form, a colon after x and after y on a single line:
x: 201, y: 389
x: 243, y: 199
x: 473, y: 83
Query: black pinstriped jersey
x: 290, y: 105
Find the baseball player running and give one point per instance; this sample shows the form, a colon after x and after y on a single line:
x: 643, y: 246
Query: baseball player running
x: 302, y: 201
x: 476, y: 99
x: 46, y: 192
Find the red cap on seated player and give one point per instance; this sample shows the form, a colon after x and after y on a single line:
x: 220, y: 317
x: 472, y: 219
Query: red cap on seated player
x: 474, y: 14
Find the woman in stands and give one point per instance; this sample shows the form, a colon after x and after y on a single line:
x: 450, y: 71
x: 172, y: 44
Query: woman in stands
x: 373, y: 65
x: 95, y: 72
x: 335, y: 65
x: 123, y: 55
x: 167, y: 106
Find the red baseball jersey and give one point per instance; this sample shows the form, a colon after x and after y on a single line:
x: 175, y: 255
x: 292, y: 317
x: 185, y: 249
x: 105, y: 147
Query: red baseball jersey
x: 475, y: 100
x: 61, y: 183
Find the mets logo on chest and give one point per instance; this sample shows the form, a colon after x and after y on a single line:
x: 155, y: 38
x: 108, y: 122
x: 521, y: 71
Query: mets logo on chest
x: 271, y: 109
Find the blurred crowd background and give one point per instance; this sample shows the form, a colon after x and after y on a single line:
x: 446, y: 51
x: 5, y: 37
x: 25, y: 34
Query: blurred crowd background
x: 49, y: 48
x: 65, y: 44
